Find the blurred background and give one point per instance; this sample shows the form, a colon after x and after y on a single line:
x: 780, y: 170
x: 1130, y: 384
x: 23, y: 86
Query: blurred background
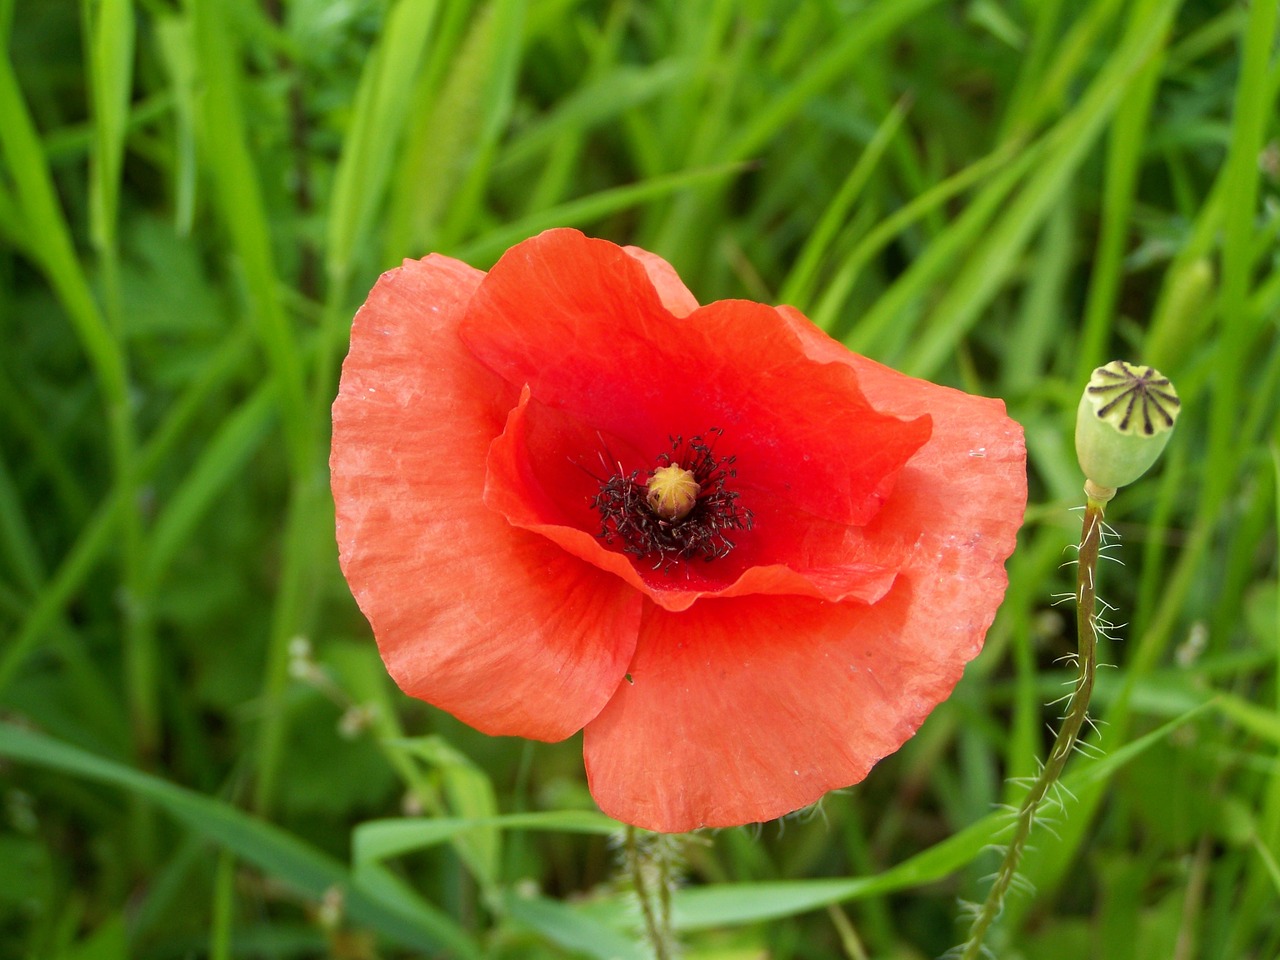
x: 200, y: 753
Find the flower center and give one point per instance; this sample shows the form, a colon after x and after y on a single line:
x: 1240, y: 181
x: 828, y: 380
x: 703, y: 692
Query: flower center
x: 683, y: 510
x: 673, y: 492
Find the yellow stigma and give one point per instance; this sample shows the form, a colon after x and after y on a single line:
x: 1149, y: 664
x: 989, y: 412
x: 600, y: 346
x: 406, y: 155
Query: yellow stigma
x: 672, y: 492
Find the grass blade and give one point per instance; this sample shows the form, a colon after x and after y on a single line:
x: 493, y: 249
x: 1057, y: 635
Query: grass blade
x: 277, y: 853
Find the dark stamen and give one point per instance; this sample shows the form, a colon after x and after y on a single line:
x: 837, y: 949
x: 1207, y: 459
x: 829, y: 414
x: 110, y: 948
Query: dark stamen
x: 627, y: 517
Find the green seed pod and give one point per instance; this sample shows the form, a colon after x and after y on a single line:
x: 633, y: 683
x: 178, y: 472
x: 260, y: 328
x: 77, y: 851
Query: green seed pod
x: 1122, y: 424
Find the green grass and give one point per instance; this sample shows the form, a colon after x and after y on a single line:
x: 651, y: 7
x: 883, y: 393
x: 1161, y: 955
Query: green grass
x: 998, y: 195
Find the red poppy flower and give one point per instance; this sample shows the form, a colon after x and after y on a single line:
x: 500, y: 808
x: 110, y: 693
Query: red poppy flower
x: 745, y: 560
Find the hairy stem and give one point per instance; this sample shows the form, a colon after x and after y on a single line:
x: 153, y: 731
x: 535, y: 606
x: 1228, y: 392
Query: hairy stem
x: 650, y: 870
x: 1068, y: 734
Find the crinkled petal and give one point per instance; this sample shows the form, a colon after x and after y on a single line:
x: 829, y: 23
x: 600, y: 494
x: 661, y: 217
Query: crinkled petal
x: 470, y: 613
x: 536, y: 482
x: 958, y: 504
x: 581, y: 323
x: 675, y: 296
x: 745, y: 709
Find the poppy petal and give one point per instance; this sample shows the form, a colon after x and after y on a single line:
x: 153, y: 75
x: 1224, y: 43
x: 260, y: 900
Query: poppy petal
x: 470, y: 614
x: 959, y: 503
x: 742, y: 710
x: 534, y: 481
x: 671, y: 290
x: 580, y: 322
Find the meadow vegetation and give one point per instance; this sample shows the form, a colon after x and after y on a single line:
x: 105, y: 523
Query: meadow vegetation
x: 200, y: 751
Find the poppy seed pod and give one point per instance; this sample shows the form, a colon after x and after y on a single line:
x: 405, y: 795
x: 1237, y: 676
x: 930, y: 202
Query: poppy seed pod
x: 1124, y: 420
x: 672, y: 492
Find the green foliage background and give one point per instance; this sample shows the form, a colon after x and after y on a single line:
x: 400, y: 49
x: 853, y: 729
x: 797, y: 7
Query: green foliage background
x: 996, y: 194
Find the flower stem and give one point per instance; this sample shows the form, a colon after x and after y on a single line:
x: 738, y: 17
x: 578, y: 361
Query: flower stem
x: 1068, y: 734
x: 650, y: 869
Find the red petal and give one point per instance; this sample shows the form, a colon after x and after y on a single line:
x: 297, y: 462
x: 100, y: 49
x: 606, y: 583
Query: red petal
x: 538, y: 481
x: 743, y: 710
x: 580, y: 322
x: 470, y: 614
x: 671, y: 290
x: 958, y: 504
